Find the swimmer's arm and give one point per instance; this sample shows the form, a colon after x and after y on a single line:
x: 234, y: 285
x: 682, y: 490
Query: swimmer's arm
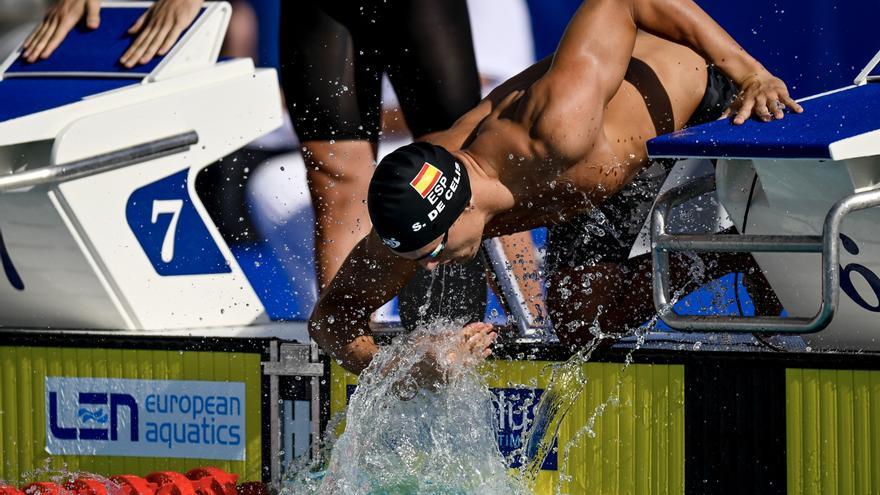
x: 594, y: 52
x: 340, y: 323
x: 600, y: 38
x: 684, y: 22
x: 603, y: 33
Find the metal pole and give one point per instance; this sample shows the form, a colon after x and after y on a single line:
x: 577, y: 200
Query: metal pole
x: 515, y: 302
x: 274, y: 421
x: 517, y: 306
x: 316, y: 408
x: 734, y: 243
x: 100, y: 163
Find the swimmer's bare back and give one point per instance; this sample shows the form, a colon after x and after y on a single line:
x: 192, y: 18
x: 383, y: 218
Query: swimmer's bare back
x: 561, y: 136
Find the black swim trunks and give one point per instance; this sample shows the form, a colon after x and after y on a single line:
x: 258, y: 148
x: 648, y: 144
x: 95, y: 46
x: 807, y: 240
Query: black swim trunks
x: 608, y: 232
x: 334, y: 52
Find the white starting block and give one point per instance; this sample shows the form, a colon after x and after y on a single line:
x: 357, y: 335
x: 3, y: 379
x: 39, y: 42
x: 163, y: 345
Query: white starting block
x: 100, y: 225
x: 804, y: 184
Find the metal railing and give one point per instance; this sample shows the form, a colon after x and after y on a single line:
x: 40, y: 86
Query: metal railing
x: 865, y: 75
x: 828, y: 244
x: 515, y: 303
x: 105, y: 162
x: 288, y: 359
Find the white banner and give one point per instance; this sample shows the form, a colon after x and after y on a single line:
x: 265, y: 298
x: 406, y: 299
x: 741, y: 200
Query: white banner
x: 145, y: 418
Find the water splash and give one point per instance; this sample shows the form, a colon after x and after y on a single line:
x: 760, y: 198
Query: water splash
x: 613, y: 399
x: 64, y: 476
x: 568, y: 381
x: 441, y: 441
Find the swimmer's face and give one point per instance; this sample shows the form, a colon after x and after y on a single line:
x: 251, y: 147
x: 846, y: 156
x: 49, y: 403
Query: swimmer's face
x: 462, y: 243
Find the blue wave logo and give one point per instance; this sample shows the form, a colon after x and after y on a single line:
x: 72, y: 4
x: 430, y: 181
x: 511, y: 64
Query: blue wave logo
x: 98, y: 415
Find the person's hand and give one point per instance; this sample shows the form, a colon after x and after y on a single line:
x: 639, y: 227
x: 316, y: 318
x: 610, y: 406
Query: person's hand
x: 762, y: 95
x: 158, y: 29
x: 60, y: 19
x: 470, y: 346
x: 449, y: 352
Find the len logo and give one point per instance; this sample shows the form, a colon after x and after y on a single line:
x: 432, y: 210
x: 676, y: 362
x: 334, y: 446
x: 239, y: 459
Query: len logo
x: 95, y: 415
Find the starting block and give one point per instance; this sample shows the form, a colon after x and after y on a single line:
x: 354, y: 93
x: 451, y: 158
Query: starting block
x: 100, y: 225
x: 800, y: 191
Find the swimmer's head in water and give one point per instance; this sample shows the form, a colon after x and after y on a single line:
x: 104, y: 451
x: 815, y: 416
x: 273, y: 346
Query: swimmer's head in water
x: 416, y: 194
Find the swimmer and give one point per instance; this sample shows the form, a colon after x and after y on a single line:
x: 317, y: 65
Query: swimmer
x: 562, y: 136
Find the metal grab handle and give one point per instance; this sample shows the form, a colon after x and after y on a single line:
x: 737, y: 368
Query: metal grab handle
x: 100, y: 163
x: 514, y: 301
x: 828, y: 244
x: 865, y: 75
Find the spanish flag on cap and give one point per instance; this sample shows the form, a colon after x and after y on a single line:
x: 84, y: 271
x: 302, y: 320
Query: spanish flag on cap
x: 426, y: 179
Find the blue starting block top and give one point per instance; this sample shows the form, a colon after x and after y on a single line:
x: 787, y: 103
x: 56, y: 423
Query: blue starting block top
x: 87, y: 51
x: 86, y: 63
x: 818, y: 133
x: 26, y: 96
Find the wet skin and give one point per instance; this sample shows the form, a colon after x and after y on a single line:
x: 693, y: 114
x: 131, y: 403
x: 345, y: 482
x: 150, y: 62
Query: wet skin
x: 554, y: 140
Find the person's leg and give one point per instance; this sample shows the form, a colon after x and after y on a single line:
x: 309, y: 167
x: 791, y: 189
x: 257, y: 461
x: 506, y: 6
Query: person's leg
x: 431, y: 62
x: 613, y: 297
x: 592, y: 286
x: 603, y: 298
x: 332, y: 91
x: 338, y: 176
x: 241, y: 35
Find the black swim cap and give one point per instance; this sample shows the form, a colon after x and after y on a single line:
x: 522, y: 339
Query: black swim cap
x: 417, y: 193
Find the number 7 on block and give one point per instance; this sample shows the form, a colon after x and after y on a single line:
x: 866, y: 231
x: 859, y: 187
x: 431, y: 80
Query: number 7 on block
x: 171, y: 207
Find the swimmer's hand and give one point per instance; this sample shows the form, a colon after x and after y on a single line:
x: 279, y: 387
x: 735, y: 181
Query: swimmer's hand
x: 60, y: 19
x: 762, y: 95
x: 158, y: 28
x: 468, y: 347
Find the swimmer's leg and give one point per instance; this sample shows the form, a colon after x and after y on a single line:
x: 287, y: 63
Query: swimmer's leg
x: 608, y: 297
x: 615, y: 297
